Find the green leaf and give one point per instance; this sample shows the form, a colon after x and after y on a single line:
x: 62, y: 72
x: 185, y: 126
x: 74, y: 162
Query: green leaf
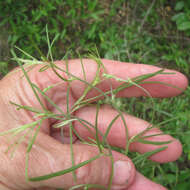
x: 179, y: 5
x: 19, y: 129
x: 96, y: 128
x: 62, y: 172
x: 110, y: 125
x: 184, y: 26
x: 33, y: 138
x: 179, y: 17
x: 146, y: 155
x: 63, y: 123
x: 153, y: 142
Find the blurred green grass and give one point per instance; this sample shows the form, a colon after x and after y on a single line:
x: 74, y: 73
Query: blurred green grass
x: 144, y: 31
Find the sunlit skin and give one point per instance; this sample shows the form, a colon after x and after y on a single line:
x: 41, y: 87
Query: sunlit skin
x: 49, y: 154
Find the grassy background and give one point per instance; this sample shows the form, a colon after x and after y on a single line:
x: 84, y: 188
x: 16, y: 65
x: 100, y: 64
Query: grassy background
x: 153, y: 32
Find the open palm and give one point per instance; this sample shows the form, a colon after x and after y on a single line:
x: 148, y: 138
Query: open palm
x: 51, y: 151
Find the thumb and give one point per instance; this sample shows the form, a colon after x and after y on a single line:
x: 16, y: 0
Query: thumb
x: 49, y: 156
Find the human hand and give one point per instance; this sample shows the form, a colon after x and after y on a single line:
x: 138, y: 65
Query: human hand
x: 50, y: 155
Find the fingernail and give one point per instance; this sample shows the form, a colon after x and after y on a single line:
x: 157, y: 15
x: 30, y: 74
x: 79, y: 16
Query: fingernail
x: 122, y: 172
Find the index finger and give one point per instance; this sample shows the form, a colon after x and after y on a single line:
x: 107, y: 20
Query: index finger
x: 125, y: 71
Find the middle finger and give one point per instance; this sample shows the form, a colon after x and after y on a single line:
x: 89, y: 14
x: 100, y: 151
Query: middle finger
x: 117, y: 135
